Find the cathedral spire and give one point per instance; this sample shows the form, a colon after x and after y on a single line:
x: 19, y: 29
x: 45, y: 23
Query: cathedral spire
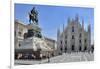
x: 58, y: 40
x: 77, y: 18
x: 89, y: 36
x: 58, y: 33
x: 63, y: 38
x: 83, y: 23
x: 63, y: 27
x: 68, y: 20
x: 82, y: 47
x: 89, y: 27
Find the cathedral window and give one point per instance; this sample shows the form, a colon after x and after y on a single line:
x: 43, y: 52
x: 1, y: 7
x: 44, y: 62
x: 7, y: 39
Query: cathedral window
x: 66, y: 36
x: 80, y: 48
x: 85, y: 48
x: 72, y: 36
x: 80, y: 35
x: 73, y: 47
x: 66, y: 42
x: 79, y: 41
x: 61, y: 42
x: 85, y: 40
x: 65, y: 49
x: 19, y: 44
x: 61, y: 48
x: 72, y: 29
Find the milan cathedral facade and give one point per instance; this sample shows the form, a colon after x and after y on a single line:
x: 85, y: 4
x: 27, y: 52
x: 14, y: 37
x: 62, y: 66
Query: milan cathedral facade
x: 74, y: 37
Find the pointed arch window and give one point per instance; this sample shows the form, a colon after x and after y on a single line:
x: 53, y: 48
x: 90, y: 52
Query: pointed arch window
x: 66, y: 36
x: 85, y: 48
x: 72, y: 28
x: 73, y: 47
x: 80, y: 48
x: 19, y: 44
x: 61, y: 42
x: 85, y: 40
x: 80, y: 35
x: 72, y: 36
x: 65, y: 49
x: 79, y: 41
x: 61, y: 49
x: 65, y: 41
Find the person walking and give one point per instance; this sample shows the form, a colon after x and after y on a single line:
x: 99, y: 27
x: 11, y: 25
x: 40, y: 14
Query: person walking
x: 48, y: 57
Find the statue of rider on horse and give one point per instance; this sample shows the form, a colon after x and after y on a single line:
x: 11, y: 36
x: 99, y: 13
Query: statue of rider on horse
x: 33, y: 16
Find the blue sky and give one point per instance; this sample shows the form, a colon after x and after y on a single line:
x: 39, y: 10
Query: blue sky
x: 53, y: 17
